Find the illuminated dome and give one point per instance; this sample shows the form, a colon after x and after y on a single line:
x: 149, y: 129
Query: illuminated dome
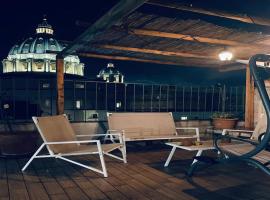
x: 38, y: 54
x: 111, y: 74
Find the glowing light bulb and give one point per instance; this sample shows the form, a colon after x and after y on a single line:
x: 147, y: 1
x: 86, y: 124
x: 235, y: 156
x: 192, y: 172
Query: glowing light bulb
x: 225, y: 55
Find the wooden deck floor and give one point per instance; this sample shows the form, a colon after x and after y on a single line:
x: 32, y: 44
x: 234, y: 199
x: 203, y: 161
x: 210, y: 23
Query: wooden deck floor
x: 142, y: 178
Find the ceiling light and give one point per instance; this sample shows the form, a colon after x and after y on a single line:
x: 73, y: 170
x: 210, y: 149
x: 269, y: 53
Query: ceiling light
x: 225, y: 55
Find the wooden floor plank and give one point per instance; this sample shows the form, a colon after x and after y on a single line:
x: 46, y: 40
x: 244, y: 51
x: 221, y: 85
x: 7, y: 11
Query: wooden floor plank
x: 35, y: 188
x: 75, y: 193
x: 143, y: 177
x: 16, y: 184
x: 59, y: 197
x: 83, y: 183
x: 4, y: 193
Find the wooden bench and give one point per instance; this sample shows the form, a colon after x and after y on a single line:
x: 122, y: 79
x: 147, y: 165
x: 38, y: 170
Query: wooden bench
x: 138, y: 126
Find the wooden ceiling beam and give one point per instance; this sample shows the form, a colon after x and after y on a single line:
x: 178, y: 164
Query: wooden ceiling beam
x: 112, y: 17
x: 158, y: 52
x: 193, y: 38
x: 217, y: 13
x: 127, y: 58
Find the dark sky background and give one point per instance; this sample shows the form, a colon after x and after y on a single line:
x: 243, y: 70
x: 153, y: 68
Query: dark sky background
x: 20, y: 18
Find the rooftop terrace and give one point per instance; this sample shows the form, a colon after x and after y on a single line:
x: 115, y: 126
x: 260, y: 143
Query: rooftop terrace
x: 144, y: 177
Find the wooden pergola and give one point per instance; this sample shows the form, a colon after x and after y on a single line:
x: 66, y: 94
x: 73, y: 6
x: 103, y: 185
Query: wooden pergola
x: 141, y: 31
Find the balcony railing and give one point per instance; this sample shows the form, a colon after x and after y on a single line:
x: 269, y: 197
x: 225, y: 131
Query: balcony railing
x: 90, y: 100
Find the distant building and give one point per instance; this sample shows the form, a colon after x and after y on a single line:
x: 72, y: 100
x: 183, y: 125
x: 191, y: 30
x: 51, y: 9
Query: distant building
x: 38, y: 54
x: 111, y: 74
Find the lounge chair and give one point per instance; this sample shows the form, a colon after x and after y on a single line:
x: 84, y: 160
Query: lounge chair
x: 61, y: 141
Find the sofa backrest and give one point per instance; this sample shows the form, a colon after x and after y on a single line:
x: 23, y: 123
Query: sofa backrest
x: 142, y: 124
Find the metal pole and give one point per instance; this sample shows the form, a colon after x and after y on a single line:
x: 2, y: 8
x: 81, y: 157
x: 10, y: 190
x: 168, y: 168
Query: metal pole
x: 27, y: 99
x: 190, y: 105
x: 152, y: 99
x: 230, y: 99
x: 212, y: 101
x: 125, y: 97
x: 114, y: 96
x: 183, y: 98
x: 74, y: 101
x: 175, y: 98
x: 106, y: 96
x: 134, y: 97
x: 168, y: 89
x: 219, y: 96
x: 85, y: 101
x: 159, y: 98
x: 96, y: 103
x: 205, y: 102
x: 198, y: 103
x: 236, y: 99
x: 13, y: 95
x: 143, y: 98
x: 39, y: 101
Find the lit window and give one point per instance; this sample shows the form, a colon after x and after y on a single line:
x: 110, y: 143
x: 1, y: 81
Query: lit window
x: 79, y: 85
x: 118, y: 104
x: 184, y: 118
x: 45, y: 85
x: 47, y: 103
x: 78, y: 104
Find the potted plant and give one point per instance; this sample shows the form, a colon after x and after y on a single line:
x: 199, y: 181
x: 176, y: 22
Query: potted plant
x: 223, y: 120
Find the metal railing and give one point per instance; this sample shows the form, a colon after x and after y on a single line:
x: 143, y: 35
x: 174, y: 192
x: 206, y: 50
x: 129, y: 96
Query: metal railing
x: 89, y: 100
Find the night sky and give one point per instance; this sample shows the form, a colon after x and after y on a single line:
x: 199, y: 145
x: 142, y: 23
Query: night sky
x: 20, y: 18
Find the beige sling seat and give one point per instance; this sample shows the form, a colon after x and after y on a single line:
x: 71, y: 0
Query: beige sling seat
x: 137, y: 126
x: 242, y: 148
x: 61, y: 141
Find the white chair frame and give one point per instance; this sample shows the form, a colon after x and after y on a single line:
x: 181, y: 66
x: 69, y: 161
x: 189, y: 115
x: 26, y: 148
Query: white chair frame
x: 61, y: 156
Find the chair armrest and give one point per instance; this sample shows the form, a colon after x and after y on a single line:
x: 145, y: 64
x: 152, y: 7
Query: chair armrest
x: 73, y: 142
x: 111, y: 130
x: 118, y: 134
x: 219, y: 137
x: 191, y: 128
x: 227, y: 131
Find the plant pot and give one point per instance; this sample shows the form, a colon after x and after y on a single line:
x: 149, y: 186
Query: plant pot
x: 223, y: 123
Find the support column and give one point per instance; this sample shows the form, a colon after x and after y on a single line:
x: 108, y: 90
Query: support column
x: 249, y: 107
x: 60, y: 84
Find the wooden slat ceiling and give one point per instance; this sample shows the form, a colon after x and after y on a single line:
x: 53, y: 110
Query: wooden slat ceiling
x: 158, y: 39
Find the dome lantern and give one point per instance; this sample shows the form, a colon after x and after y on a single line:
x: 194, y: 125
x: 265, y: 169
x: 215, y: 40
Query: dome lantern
x: 111, y: 74
x: 44, y: 28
